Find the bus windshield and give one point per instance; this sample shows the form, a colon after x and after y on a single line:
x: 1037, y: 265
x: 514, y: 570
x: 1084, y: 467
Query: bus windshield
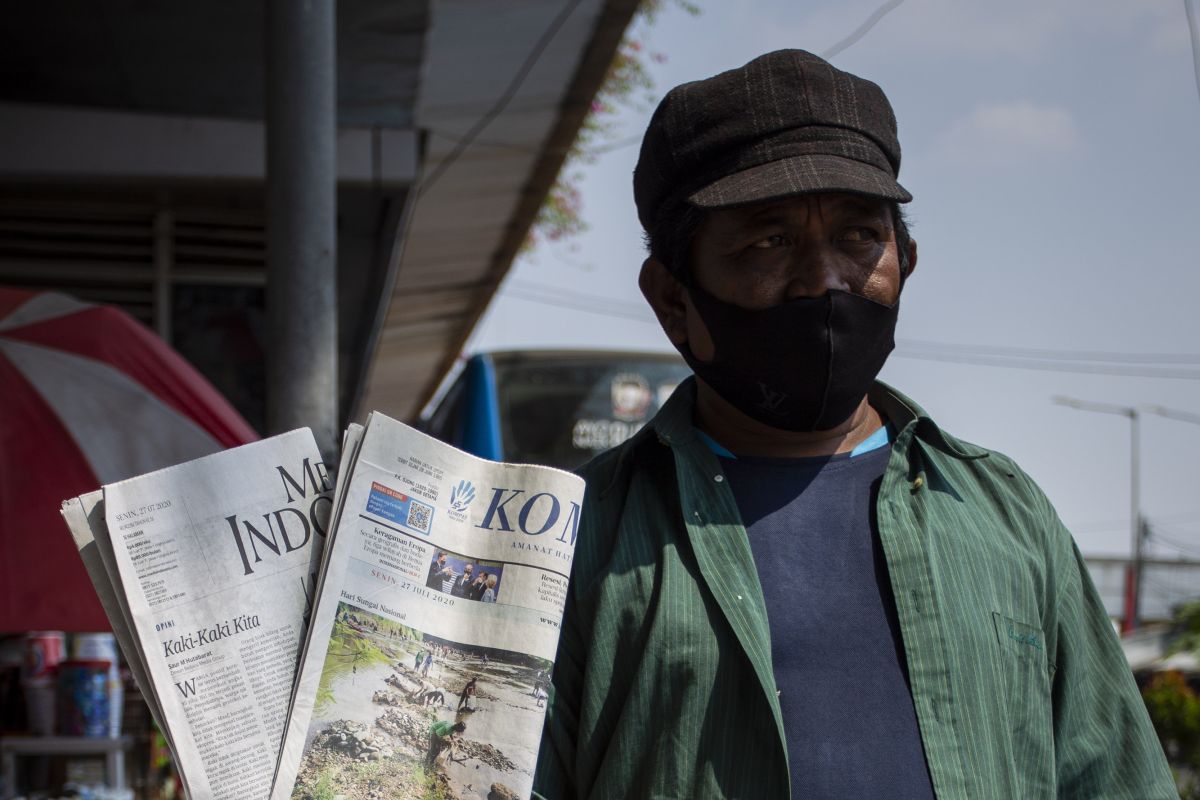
x: 563, y: 412
x: 553, y: 408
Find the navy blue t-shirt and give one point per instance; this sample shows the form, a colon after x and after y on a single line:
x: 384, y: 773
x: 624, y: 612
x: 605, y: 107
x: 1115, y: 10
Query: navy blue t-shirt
x: 835, y: 639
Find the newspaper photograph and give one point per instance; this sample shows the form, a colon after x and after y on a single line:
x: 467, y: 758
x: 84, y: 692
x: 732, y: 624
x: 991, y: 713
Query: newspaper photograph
x: 217, y: 559
x: 434, y: 634
x: 392, y: 698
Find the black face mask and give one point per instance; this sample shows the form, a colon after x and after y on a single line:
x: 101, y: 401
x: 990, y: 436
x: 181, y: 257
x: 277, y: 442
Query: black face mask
x: 803, y: 365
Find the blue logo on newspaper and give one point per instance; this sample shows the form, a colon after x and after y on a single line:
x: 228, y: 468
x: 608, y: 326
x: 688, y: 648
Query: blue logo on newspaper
x: 387, y: 503
x: 460, y: 500
x: 462, y: 495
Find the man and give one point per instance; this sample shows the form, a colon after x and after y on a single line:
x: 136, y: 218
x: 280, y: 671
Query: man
x: 478, y: 587
x: 442, y: 735
x: 468, y: 691
x: 539, y: 688
x: 437, y: 570
x: 792, y: 582
x: 462, y: 586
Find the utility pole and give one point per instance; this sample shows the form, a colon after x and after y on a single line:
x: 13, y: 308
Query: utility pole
x: 1133, y: 573
x: 301, y: 114
x: 1169, y: 413
x: 1138, y: 569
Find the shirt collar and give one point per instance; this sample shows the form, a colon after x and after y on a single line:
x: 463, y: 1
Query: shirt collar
x: 673, y: 422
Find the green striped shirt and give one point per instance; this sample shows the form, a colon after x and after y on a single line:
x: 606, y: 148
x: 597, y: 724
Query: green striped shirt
x: 663, y: 685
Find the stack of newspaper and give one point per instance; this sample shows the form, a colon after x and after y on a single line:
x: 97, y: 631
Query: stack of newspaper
x: 390, y: 633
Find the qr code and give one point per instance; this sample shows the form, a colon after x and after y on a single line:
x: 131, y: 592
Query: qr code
x: 418, y: 516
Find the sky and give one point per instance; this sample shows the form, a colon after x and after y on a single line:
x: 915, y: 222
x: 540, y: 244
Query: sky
x: 1053, y: 151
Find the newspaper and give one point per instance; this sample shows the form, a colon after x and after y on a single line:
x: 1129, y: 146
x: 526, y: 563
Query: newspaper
x: 84, y: 515
x: 351, y: 439
x: 206, y: 571
x: 435, y: 626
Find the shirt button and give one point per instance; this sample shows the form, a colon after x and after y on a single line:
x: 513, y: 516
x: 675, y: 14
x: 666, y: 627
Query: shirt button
x: 915, y: 596
x: 718, y: 478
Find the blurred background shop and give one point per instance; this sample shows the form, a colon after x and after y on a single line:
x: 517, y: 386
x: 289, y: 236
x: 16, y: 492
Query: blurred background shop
x: 305, y: 208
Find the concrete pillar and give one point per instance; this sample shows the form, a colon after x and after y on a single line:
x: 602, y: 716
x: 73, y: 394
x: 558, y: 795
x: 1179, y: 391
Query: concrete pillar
x: 301, y: 72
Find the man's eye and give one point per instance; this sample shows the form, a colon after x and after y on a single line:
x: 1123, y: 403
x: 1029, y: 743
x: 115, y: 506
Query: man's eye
x: 770, y: 242
x: 858, y: 235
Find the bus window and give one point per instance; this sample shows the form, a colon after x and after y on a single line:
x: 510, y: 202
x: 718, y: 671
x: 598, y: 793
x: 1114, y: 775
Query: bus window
x: 553, y: 408
x: 564, y: 411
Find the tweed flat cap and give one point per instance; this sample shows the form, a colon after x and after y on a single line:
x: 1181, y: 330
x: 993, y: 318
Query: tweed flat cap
x: 786, y: 123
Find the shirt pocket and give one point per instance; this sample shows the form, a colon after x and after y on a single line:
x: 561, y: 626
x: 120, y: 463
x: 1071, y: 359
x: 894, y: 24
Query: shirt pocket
x: 1022, y: 641
x: 1028, y: 676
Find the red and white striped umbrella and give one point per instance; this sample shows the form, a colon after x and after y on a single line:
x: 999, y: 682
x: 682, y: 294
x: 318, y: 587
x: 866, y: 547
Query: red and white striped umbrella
x: 88, y: 396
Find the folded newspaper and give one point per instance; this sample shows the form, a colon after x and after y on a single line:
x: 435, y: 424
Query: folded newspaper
x: 206, y: 570
x: 390, y: 637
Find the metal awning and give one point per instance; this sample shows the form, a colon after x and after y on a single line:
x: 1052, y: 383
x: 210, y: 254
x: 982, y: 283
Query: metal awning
x: 478, y: 202
x: 131, y: 162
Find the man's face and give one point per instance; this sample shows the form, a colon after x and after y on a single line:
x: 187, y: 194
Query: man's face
x: 764, y: 254
x: 761, y: 255
x: 467, y: 571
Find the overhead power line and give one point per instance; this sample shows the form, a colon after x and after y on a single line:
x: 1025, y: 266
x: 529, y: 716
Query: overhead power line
x: 1174, y: 527
x: 1172, y: 413
x: 981, y: 359
x: 1169, y: 591
x: 502, y: 103
x: 565, y: 298
x: 1174, y: 544
x: 858, y: 33
x: 1122, y: 523
x: 1088, y: 362
x: 1194, y: 32
x: 617, y: 145
x: 862, y: 30
x: 1058, y: 355
x: 1178, y: 530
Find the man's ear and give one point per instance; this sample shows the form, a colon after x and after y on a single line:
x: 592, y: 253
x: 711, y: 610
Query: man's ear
x: 912, y: 257
x: 665, y: 294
